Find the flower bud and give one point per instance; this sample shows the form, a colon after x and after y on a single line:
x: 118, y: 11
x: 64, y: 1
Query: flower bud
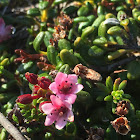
x: 25, y: 99
x: 44, y: 82
x: 31, y: 77
x: 35, y: 89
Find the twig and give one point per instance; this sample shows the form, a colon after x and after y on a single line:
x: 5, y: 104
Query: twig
x: 120, y: 63
x: 21, y: 90
x: 10, y: 128
x: 117, y: 46
x: 112, y: 67
x: 5, y: 8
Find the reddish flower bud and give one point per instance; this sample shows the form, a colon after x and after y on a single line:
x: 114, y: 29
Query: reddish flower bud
x: 40, y: 105
x: 44, y: 82
x: 31, y: 77
x: 25, y: 99
x: 35, y: 89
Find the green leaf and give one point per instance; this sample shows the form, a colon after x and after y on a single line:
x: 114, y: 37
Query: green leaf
x: 38, y: 41
x: 108, y: 98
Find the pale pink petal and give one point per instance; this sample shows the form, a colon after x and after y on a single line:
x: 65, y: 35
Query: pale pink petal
x: 47, y: 108
x: 50, y: 119
x: 5, y: 32
x: 56, y: 101
x: 8, y: 29
x: 60, y: 77
x: 67, y: 105
x: 71, y: 98
x: 61, y: 122
x: 53, y: 87
x: 61, y: 96
x: 70, y: 116
x: 77, y: 88
x: 2, y: 23
x: 72, y: 78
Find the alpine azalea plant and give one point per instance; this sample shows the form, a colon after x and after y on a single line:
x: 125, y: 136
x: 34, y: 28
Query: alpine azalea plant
x: 5, y: 31
x: 59, y: 111
x: 66, y: 87
x: 60, y: 96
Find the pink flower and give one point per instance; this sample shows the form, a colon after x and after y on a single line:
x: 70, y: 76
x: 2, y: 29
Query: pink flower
x: 5, y: 31
x: 66, y: 87
x: 58, y: 111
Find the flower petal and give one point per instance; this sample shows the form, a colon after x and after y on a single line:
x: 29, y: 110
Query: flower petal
x: 2, y: 24
x: 50, y: 119
x: 8, y: 29
x: 56, y: 101
x: 53, y: 87
x: 77, y: 88
x: 70, y: 116
x: 61, y: 122
x: 71, y: 98
x: 67, y: 105
x: 60, y: 77
x: 72, y: 78
x: 47, y: 108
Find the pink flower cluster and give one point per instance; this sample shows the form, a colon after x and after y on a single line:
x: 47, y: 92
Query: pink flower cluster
x: 59, y: 106
x: 59, y: 110
x: 5, y: 31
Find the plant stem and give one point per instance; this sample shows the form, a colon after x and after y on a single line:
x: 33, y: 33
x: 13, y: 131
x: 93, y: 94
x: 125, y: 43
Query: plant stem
x: 10, y: 128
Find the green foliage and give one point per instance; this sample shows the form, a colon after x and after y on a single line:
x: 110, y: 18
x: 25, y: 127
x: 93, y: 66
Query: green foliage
x: 101, y: 35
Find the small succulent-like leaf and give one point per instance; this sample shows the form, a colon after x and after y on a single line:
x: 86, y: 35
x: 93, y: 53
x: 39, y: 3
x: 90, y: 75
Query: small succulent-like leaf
x: 122, y: 85
x: 103, y: 87
x: 116, y: 84
x: 109, y: 83
x: 108, y: 98
x: 128, y: 96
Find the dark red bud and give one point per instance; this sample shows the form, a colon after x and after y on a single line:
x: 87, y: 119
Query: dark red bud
x: 44, y: 82
x: 25, y: 99
x: 31, y: 77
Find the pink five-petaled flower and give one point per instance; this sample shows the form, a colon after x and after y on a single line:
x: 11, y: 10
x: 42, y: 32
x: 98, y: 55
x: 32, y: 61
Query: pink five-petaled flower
x: 57, y: 111
x: 5, y: 31
x: 66, y: 87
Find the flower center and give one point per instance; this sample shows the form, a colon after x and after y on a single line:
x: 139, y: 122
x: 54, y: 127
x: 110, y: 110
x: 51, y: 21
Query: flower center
x: 65, y: 87
x: 61, y: 111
